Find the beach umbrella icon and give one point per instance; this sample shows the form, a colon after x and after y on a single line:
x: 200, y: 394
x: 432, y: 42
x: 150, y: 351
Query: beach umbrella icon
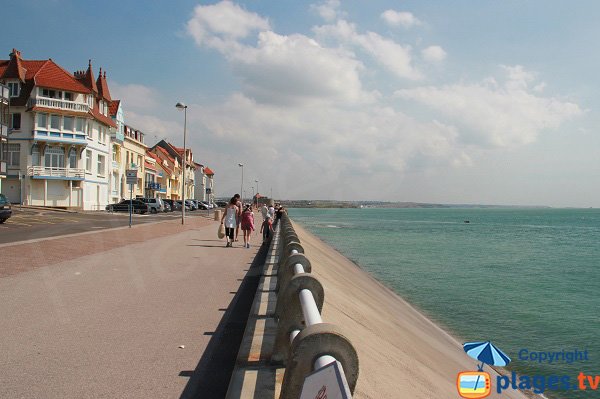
x: 486, y: 353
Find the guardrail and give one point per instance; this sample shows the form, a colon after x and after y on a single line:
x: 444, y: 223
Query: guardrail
x: 304, y: 343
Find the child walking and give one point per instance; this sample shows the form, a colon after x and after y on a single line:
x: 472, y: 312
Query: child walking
x: 267, y: 229
x: 247, y: 224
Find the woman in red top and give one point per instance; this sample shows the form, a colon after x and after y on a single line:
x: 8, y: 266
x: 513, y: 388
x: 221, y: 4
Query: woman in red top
x: 247, y: 224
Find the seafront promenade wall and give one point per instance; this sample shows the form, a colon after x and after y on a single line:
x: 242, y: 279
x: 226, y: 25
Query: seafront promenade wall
x: 402, y: 353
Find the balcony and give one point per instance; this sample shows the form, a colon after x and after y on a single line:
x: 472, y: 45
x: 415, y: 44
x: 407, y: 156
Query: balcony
x: 152, y: 186
x: 2, y: 168
x: 47, y: 172
x: 58, y: 104
x: 116, y: 165
x: 60, y: 137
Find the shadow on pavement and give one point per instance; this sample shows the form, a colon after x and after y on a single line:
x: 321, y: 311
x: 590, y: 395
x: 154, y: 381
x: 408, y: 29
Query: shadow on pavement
x: 211, y: 377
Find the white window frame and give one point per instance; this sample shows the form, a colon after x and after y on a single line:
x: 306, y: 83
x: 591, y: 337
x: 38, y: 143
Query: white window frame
x: 72, y: 127
x: 88, y: 161
x: 55, y: 117
x: 14, y: 154
x: 37, y: 121
x: 14, y: 89
x: 101, y: 165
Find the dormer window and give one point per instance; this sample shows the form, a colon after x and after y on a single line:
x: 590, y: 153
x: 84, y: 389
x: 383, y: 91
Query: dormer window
x: 14, y: 89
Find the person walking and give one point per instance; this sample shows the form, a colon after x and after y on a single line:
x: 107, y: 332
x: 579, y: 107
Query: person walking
x: 264, y: 211
x: 239, y: 215
x: 247, y: 224
x: 267, y: 229
x: 229, y: 219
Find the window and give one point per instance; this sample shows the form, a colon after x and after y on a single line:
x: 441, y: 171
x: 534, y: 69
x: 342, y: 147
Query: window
x: 101, y: 165
x: 68, y: 96
x: 14, y: 89
x: 54, y: 157
x: 55, y: 122
x: 50, y: 93
x: 42, y: 121
x: 88, y: 161
x: 16, y: 121
x: 72, y: 158
x: 35, y: 155
x: 101, y: 134
x: 115, y: 153
x: 80, y: 125
x: 68, y: 123
x: 14, y: 155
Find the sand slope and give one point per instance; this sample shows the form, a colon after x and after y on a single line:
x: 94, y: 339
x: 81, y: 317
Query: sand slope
x: 402, y: 354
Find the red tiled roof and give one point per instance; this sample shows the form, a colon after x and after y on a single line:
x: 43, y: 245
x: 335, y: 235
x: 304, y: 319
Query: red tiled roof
x: 107, y: 120
x: 148, y: 165
x: 87, y: 78
x: 114, y: 107
x: 14, y: 67
x: 103, y: 86
x: 166, y: 153
x: 208, y: 171
x: 53, y: 76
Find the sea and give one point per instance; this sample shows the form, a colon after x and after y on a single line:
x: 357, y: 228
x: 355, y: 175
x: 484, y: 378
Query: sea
x: 528, y: 280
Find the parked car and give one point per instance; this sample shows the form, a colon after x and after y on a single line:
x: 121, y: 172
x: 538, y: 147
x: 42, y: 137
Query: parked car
x: 221, y: 204
x: 187, y: 205
x: 154, y: 204
x: 207, y: 204
x: 201, y: 205
x: 167, y: 207
x: 138, y: 206
x: 192, y: 204
x: 175, y: 206
x: 5, y: 208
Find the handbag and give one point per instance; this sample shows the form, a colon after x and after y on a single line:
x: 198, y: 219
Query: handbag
x: 221, y: 231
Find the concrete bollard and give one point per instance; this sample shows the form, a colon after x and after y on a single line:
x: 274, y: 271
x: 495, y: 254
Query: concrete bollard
x: 289, y: 311
x: 285, y: 271
x: 312, y: 342
x: 218, y: 215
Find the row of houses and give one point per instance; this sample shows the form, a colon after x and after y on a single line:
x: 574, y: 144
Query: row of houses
x: 64, y: 142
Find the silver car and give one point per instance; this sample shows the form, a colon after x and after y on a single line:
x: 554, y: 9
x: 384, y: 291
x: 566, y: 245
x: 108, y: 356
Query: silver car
x: 155, y: 205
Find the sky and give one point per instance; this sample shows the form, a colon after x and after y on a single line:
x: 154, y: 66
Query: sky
x: 458, y: 102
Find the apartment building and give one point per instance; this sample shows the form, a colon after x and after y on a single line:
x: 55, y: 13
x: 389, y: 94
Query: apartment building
x: 134, y: 152
x: 58, y: 148
x: 4, y: 112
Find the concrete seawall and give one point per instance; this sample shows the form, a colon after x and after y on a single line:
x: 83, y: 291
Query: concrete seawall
x: 402, y: 353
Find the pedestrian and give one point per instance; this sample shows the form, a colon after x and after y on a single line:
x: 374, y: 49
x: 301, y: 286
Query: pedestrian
x: 247, y: 224
x: 267, y: 229
x: 280, y: 212
x: 272, y: 211
x: 229, y: 219
x: 264, y: 211
x: 239, y: 215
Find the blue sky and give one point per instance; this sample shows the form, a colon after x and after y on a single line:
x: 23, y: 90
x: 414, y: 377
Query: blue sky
x: 454, y: 102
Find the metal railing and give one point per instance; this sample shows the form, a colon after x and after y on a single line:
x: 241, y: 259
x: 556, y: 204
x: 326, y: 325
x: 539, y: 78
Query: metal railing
x: 304, y: 343
x: 47, y: 171
x: 58, y: 104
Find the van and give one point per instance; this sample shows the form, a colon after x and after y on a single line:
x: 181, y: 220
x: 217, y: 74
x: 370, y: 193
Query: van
x: 155, y: 205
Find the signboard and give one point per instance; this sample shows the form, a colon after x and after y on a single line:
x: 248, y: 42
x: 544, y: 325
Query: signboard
x: 208, y: 191
x: 131, y: 175
x: 328, y: 382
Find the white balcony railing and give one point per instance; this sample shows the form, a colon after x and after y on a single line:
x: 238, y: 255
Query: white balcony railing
x: 46, y: 171
x: 58, y: 104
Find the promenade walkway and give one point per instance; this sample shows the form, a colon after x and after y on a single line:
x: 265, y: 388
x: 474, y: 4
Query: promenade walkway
x: 129, y: 313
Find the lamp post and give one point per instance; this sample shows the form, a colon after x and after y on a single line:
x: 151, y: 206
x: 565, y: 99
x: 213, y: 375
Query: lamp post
x: 182, y: 106
x: 241, y: 165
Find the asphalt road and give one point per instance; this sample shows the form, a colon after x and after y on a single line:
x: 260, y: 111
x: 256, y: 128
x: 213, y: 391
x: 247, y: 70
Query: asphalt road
x: 29, y: 224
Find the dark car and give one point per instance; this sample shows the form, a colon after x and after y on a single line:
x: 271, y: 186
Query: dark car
x: 174, y: 205
x: 167, y: 207
x: 5, y: 208
x: 187, y: 205
x: 193, y: 206
x: 123, y: 206
x: 221, y: 204
x: 202, y: 205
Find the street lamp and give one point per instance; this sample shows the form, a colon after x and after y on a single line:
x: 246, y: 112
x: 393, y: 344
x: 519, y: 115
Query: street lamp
x: 241, y: 165
x: 182, y: 106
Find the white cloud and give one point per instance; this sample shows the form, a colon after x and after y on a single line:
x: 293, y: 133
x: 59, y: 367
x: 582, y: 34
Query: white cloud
x: 393, y: 56
x: 433, y: 54
x: 327, y: 10
x: 491, y: 113
x: 135, y: 95
x: 221, y: 25
x: 400, y: 18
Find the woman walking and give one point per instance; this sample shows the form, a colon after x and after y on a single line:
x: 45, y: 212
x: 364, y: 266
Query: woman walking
x: 247, y: 224
x: 229, y: 218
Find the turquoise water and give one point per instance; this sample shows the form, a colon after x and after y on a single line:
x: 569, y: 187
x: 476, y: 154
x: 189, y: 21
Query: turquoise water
x: 522, y: 278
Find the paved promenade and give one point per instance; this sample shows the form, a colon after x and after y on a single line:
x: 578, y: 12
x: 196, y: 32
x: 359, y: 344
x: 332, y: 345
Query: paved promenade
x: 146, y: 312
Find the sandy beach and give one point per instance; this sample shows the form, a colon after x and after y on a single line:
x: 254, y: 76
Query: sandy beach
x: 402, y: 353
